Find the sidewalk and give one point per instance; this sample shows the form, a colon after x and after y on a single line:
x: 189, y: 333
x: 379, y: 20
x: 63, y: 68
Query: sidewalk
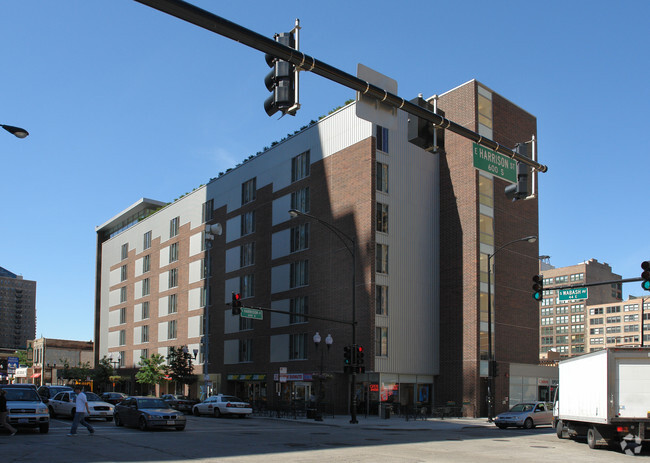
x: 393, y: 423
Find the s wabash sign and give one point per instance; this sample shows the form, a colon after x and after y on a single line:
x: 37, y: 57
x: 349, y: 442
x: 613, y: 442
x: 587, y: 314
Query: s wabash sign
x: 494, y: 163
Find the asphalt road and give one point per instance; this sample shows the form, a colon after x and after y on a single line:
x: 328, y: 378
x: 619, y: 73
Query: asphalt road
x: 208, y: 439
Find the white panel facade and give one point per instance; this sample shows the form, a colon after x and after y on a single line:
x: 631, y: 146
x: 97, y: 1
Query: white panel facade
x: 113, y: 318
x: 164, y: 256
x: 280, y: 319
x: 231, y: 286
x: 194, y: 299
x: 163, y: 306
x: 196, y: 244
x: 233, y: 259
x: 280, y: 278
x: 231, y: 351
x: 194, y: 326
x: 138, y: 267
x: 162, y: 332
x: 280, y: 348
x: 113, y: 298
x: 281, y: 208
x: 163, y: 282
x: 280, y: 244
x: 231, y: 322
x: 137, y: 335
x: 113, y: 339
x: 195, y: 271
x: 233, y: 229
x: 115, y: 276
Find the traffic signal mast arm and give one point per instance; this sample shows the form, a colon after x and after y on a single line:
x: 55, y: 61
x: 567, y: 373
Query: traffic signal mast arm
x: 584, y: 285
x: 222, y: 26
x: 316, y: 317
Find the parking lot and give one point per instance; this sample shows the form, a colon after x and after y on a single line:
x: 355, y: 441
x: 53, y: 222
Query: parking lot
x: 209, y: 439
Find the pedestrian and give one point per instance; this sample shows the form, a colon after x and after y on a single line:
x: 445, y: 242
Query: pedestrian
x: 4, y: 413
x: 81, y: 408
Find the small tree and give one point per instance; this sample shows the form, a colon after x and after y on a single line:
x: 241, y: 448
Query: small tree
x: 103, y: 372
x: 78, y: 373
x: 152, y: 370
x: 180, y: 366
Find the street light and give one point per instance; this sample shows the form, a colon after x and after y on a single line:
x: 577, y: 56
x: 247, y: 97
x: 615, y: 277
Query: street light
x: 350, y: 245
x: 530, y: 239
x: 210, y: 232
x: 16, y: 131
x: 328, y: 342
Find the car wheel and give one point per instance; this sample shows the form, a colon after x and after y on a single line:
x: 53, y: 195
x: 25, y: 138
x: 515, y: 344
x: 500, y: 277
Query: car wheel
x: 559, y: 429
x: 142, y: 423
x: 195, y: 411
x: 528, y: 424
x: 44, y: 428
x: 216, y: 412
x: 118, y: 421
x: 501, y: 426
x: 591, y: 438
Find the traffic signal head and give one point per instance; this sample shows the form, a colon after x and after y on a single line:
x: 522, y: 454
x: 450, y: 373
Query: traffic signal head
x: 645, y: 284
x: 281, y: 80
x: 519, y: 190
x: 538, y: 287
x: 347, y: 355
x: 236, y: 303
x: 359, y: 355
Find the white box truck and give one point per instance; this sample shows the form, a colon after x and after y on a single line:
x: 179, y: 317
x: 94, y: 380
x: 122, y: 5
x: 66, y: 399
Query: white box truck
x: 605, y: 396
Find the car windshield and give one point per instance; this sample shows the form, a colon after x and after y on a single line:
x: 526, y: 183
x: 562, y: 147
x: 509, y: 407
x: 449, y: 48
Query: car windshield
x: 151, y: 403
x: 22, y: 395
x: 522, y: 408
x: 91, y: 396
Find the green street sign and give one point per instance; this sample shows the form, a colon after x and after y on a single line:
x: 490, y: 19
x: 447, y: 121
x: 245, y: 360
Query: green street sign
x: 572, y: 294
x: 494, y: 163
x: 247, y: 312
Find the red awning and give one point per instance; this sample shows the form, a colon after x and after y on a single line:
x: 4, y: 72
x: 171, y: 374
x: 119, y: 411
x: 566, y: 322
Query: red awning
x: 35, y: 375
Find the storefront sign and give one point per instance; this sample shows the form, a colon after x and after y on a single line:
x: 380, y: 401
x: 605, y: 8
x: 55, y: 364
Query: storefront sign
x: 292, y: 377
x: 374, y: 388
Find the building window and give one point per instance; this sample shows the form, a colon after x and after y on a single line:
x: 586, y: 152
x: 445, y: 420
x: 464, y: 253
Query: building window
x: 614, y: 309
x: 147, y: 240
x: 144, y: 334
x: 577, y: 348
x: 562, y: 310
x: 121, y: 359
x: 382, y: 177
x: 577, y: 277
x: 122, y: 315
x: 381, y: 300
x: 381, y: 342
x: 576, y: 308
x: 171, y: 329
x: 596, y: 331
x: 204, y: 269
x: 382, y: 218
x: 562, y: 319
x: 485, y: 191
x: 486, y: 227
x: 299, y: 237
x: 207, y: 210
x: 547, y: 311
x: 146, y: 263
x: 298, y: 346
x: 562, y: 279
x: 631, y: 318
x: 300, y: 166
x: 613, y: 329
x: 204, y: 297
x: 596, y: 321
x: 122, y: 340
x: 248, y: 191
x: 144, y: 354
x: 172, y: 303
x: 298, y: 306
x: 248, y: 223
x: 547, y: 340
x: 247, y: 286
x: 561, y: 329
x: 485, y: 110
x: 616, y: 319
x: 300, y: 200
x: 245, y: 350
x: 123, y: 294
x: 145, y: 310
x: 299, y: 274
x: 173, y: 252
x: 577, y: 328
x: 381, y: 258
x: 247, y: 254
x: 596, y: 311
x: 125, y: 251
x: 145, y: 287
x: 382, y: 139
x: 173, y: 278
x: 123, y: 273
x: 174, y: 226
x: 577, y: 318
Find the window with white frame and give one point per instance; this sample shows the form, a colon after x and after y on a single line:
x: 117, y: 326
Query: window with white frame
x: 145, y: 287
x: 381, y: 258
x: 207, y: 210
x: 122, y: 338
x: 145, y: 310
x: 173, y: 252
x: 300, y: 200
x: 125, y: 251
x: 381, y: 300
x: 299, y: 274
x: 298, y: 346
x: 382, y: 218
x: 146, y: 241
x: 123, y: 294
x: 247, y: 286
x: 173, y: 278
x: 382, y: 177
x: 300, y: 166
x: 299, y: 237
x: 247, y: 254
x: 174, y: 225
x: 248, y: 191
x: 298, y: 306
x: 382, y: 139
x: 381, y: 341
x: 123, y: 273
x: 172, y: 301
x: 171, y: 329
x: 144, y: 334
x: 245, y: 350
x: 122, y: 315
x: 248, y: 223
x: 146, y: 263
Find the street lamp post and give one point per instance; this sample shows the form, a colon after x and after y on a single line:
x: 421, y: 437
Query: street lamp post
x: 530, y: 239
x: 210, y: 232
x: 328, y: 342
x: 350, y: 245
x: 16, y: 131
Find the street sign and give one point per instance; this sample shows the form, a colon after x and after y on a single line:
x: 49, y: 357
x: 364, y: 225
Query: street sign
x: 494, y: 163
x: 371, y: 109
x: 247, y: 312
x: 12, y: 362
x: 572, y: 294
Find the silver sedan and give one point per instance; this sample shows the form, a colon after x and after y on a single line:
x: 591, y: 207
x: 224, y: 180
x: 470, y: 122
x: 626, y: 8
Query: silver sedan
x: 526, y: 415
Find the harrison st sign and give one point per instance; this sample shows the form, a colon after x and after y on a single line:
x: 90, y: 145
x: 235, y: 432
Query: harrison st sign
x: 494, y: 163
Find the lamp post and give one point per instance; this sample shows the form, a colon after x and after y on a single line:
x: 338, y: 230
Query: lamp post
x: 328, y: 342
x: 16, y: 131
x: 350, y: 244
x: 530, y: 239
x: 210, y: 232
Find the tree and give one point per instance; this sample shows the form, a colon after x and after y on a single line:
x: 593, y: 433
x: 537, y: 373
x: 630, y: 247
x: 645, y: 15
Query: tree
x: 102, y: 373
x: 152, y: 370
x: 22, y: 358
x: 180, y: 365
x: 78, y: 373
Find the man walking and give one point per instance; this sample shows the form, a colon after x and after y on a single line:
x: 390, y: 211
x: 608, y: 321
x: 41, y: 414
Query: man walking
x: 81, y: 406
x: 4, y: 413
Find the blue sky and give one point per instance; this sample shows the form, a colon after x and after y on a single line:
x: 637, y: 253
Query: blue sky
x: 124, y: 102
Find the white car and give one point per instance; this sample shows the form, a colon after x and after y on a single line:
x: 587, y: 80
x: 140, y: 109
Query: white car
x: 221, y: 404
x: 64, y: 404
x: 526, y: 415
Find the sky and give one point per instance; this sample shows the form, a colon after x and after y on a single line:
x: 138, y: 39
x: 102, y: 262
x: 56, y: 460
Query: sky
x: 124, y: 102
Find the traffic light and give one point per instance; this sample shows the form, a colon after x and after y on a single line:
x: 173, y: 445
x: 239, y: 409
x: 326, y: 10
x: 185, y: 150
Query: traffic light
x: 645, y: 284
x: 358, y: 359
x: 236, y: 303
x: 347, y: 359
x: 538, y: 287
x: 519, y: 189
x: 281, y: 81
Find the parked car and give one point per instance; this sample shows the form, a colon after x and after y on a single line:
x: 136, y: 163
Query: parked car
x: 221, y: 404
x: 526, y: 415
x: 113, y: 397
x: 47, y: 392
x: 146, y: 413
x: 25, y: 408
x: 179, y: 402
x: 64, y: 403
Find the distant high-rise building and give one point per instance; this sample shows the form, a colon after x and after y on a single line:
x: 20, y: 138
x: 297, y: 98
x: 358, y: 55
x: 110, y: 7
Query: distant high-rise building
x: 17, y: 310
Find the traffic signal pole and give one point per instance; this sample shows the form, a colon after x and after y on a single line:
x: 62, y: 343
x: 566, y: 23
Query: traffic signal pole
x: 199, y: 17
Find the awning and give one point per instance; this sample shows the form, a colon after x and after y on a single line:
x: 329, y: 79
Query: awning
x: 35, y: 375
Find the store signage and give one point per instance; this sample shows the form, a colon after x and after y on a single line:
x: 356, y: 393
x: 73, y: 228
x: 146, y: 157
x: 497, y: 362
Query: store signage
x: 494, y: 163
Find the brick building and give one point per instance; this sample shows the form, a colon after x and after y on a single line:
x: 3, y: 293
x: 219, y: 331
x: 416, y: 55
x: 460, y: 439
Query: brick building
x: 17, y: 310
x: 420, y: 225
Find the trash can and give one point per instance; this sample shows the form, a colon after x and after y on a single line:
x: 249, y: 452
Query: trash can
x: 385, y: 410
